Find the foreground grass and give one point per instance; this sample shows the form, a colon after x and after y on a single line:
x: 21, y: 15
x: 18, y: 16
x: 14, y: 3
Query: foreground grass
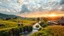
x: 50, y: 31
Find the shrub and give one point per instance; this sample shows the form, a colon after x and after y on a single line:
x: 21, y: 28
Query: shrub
x: 30, y: 28
x: 5, y: 33
x: 37, y: 26
x: 15, y: 31
x: 39, y: 29
x: 43, y: 24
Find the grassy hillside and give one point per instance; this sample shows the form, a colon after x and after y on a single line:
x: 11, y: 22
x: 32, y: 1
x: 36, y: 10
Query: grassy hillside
x: 6, y: 16
x: 14, y: 22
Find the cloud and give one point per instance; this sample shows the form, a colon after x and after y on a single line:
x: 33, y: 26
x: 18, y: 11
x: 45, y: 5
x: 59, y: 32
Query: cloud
x: 8, y: 0
x: 9, y: 6
x: 20, y: 1
x: 62, y: 2
x: 0, y: 2
x: 62, y: 7
x: 37, y: 5
x: 6, y: 9
x: 24, y: 6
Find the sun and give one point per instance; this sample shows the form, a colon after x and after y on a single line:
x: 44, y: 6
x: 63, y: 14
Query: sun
x: 52, y: 15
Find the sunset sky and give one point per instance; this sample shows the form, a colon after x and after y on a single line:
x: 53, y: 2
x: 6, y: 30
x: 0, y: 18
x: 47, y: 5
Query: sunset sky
x: 15, y: 7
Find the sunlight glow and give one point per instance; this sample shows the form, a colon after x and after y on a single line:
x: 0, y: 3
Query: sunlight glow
x: 52, y: 15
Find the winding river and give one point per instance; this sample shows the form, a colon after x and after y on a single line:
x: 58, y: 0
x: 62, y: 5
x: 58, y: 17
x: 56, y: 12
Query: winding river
x: 33, y: 31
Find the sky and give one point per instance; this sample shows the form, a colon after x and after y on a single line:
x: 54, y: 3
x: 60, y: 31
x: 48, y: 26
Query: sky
x: 14, y: 7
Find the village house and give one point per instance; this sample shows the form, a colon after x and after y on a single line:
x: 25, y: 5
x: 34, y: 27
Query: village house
x: 61, y: 21
x: 37, y: 25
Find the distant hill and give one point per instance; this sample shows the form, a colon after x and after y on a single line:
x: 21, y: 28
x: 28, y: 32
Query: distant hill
x: 7, y: 16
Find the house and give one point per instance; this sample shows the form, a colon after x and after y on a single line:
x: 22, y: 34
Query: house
x: 51, y: 23
x: 36, y: 25
x: 61, y: 21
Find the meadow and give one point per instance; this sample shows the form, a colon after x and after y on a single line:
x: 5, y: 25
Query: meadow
x: 11, y: 25
x: 14, y: 22
x: 50, y: 31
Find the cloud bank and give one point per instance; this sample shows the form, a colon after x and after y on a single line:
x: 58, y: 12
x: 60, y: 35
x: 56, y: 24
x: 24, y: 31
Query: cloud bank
x: 27, y: 6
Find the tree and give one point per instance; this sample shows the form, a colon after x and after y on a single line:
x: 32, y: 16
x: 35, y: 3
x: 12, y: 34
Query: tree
x: 37, y: 26
x: 38, y: 19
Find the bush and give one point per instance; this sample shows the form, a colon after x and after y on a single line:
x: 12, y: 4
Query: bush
x: 43, y: 24
x: 39, y: 29
x: 4, y: 33
x: 37, y: 26
x: 15, y: 31
x: 30, y: 28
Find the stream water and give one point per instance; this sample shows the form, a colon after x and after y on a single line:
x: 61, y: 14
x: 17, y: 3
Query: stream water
x: 33, y: 31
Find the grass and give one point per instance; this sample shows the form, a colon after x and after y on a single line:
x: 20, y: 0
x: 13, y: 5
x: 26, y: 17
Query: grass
x: 7, y: 28
x: 50, y: 31
x: 8, y: 23
x: 14, y: 22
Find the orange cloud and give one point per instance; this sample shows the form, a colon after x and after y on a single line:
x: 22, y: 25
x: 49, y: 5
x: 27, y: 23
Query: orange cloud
x: 43, y: 14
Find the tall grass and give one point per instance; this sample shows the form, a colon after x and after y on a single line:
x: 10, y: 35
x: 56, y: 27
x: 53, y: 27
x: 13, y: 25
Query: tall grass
x: 50, y: 31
